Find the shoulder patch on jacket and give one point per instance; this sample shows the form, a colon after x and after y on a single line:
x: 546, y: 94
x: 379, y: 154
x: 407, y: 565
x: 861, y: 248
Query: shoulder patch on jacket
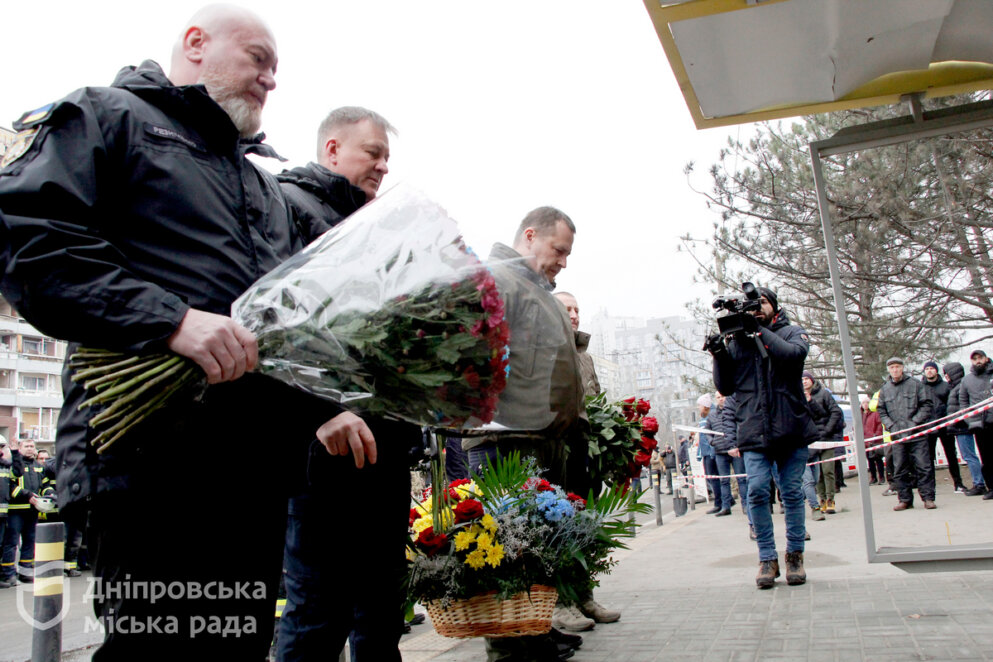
x: 22, y: 143
x: 805, y: 337
x: 36, y: 116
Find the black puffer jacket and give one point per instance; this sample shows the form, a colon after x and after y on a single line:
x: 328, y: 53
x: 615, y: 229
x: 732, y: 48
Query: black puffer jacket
x: 133, y: 204
x: 320, y: 198
x: 939, y: 390
x: 975, y: 387
x: 827, y: 415
x: 723, y: 422
x: 771, y: 411
x: 904, y: 404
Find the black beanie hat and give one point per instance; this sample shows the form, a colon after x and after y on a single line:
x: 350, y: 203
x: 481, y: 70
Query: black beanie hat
x: 770, y: 296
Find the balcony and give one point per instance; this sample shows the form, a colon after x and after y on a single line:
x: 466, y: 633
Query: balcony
x: 10, y: 397
x: 49, y: 365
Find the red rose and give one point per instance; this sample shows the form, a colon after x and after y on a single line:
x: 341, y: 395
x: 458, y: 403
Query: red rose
x: 650, y: 424
x: 643, y: 407
x: 430, y: 543
x: 649, y: 444
x: 545, y: 486
x: 468, y: 510
x: 576, y: 499
x: 642, y: 458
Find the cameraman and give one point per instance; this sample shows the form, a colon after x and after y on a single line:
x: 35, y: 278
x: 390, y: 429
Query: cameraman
x: 761, y: 366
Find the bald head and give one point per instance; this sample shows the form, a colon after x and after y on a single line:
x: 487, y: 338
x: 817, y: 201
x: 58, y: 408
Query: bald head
x: 232, y: 52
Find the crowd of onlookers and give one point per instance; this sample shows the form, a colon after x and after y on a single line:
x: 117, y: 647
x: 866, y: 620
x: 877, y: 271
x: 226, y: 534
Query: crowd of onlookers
x: 898, y: 455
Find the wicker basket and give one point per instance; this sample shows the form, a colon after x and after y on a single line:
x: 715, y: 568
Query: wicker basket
x: 487, y: 616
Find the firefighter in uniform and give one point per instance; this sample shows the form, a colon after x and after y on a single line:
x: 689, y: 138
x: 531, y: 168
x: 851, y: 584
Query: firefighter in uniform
x: 22, y: 517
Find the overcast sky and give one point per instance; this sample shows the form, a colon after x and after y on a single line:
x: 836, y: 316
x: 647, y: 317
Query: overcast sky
x: 501, y: 107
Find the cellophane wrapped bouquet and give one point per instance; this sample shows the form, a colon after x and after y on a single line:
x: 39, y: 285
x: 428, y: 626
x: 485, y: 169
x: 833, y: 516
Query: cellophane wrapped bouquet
x: 389, y: 313
x: 508, y: 529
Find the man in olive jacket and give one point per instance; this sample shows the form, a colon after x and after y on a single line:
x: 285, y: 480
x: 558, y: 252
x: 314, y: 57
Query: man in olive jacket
x: 904, y: 403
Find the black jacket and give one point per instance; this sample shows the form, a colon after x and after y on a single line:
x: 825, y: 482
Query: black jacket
x: 771, y: 411
x: 904, y: 404
x: 975, y: 388
x: 132, y: 204
x: 827, y: 415
x: 939, y: 390
x: 722, y: 420
x: 320, y: 198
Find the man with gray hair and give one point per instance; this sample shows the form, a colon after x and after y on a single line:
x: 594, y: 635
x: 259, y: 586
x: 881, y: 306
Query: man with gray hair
x: 905, y: 403
x: 323, y: 604
x: 132, y: 220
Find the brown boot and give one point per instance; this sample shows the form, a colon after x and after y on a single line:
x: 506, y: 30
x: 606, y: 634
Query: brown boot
x: 795, y: 574
x: 768, y: 571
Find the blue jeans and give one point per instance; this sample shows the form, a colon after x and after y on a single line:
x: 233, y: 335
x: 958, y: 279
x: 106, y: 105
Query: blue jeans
x: 788, y: 474
x: 725, y: 465
x: 810, y: 474
x: 967, y: 446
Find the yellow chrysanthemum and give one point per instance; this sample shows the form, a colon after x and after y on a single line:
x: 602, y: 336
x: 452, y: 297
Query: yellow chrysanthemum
x: 489, y: 523
x: 421, y: 523
x: 495, y: 555
x: 424, y: 506
x: 484, y: 541
x: 470, y: 489
x: 463, y: 539
x: 476, y: 559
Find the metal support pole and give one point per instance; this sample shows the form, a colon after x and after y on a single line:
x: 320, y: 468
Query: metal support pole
x: 46, y: 640
x: 846, y: 350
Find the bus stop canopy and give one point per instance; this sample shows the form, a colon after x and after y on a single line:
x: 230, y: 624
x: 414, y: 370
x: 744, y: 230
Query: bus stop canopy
x: 740, y: 61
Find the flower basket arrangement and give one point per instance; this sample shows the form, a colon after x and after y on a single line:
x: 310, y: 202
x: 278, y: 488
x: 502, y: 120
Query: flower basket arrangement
x: 621, y: 438
x: 490, y: 556
x: 388, y: 313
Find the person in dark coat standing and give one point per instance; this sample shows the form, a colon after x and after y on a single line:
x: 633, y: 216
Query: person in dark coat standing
x: 939, y: 391
x: 762, y: 370
x: 904, y: 403
x: 975, y: 388
x: 830, y: 422
x: 954, y: 372
x: 322, y: 604
x: 133, y: 218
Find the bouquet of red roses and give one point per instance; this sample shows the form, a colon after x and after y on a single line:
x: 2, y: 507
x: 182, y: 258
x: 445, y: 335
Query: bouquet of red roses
x: 389, y: 313
x: 621, y: 438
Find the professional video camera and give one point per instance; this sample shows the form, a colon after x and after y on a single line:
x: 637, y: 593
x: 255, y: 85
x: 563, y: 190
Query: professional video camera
x: 739, y: 318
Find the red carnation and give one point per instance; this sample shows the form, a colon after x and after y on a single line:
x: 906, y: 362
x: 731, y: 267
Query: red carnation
x: 459, y: 481
x: 468, y: 510
x: 431, y: 543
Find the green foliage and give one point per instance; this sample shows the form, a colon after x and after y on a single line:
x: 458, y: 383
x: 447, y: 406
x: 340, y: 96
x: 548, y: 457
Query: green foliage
x: 612, y: 440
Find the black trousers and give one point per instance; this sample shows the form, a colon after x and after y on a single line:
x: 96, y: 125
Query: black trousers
x: 20, y: 533
x: 345, y: 564
x: 911, y: 461
x: 951, y: 454
x: 984, y: 442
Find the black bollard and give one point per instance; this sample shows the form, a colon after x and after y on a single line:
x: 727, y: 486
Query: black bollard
x: 46, y: 640
x: 658, y: 504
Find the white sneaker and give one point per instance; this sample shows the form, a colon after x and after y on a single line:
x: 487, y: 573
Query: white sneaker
x: 570, y: 618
